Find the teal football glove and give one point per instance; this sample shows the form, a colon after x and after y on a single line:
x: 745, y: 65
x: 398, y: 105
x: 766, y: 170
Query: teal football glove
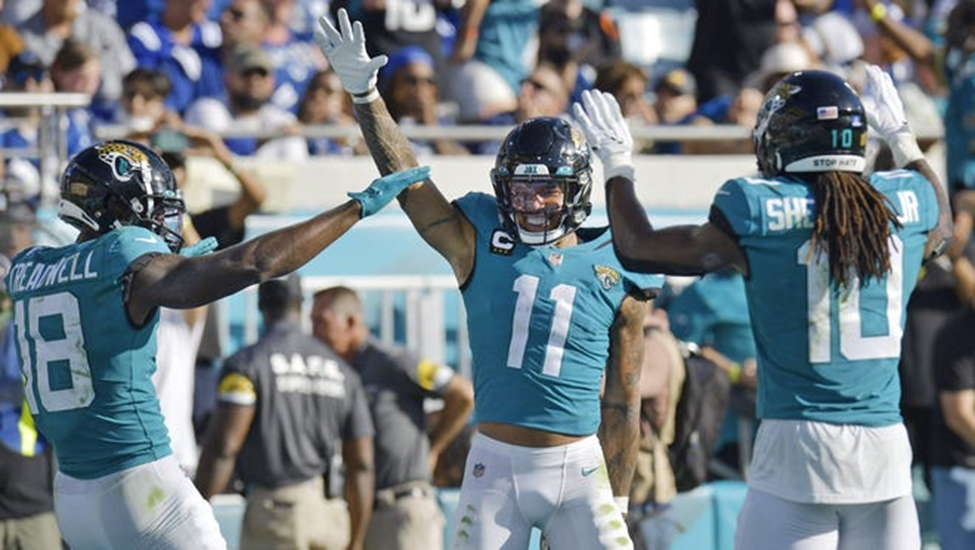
x: 381, y: 191
x: 205, y: 246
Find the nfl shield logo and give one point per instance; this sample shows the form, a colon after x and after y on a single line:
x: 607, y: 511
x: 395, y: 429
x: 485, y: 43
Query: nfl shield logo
x: 478, y: 470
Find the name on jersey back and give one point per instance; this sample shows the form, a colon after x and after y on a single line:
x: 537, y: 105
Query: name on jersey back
x: 30, y: 276
x: 788, y: 213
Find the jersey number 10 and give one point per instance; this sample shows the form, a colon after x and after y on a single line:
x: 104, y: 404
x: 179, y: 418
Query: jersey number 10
x: 853, y: 345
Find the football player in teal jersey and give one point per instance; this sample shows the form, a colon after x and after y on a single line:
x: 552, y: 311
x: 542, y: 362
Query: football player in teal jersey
x: 85, y: 318
x: 551, y: 314
x: 830, y: 256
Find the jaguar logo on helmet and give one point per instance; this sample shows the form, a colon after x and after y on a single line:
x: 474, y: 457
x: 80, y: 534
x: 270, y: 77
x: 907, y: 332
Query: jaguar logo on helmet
x: 126, y: 161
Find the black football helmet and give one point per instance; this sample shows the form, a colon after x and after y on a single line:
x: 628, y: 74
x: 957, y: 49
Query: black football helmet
x: 544, y: 150
x: 811, y: 121
x: 119, y: 183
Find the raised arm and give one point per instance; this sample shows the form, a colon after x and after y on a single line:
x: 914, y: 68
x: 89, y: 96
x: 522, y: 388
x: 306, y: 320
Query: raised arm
x: 683, y: 250
x: 175, y: 281
x: 887, y: 118
x: 438, y: 222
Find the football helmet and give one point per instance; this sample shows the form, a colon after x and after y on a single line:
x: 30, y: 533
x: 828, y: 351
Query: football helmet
x: 544, y: 154
x: 119, y: 183
x: 810, y: 121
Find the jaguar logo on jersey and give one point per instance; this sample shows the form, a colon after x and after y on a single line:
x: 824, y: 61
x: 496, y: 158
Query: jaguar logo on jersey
x: 502, y: 243
x: 608, y: 277
x: 478, y: 470
x: 126, y: 161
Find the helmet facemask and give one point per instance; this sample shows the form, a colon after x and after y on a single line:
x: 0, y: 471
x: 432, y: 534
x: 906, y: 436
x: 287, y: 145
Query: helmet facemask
x: 542, y: 181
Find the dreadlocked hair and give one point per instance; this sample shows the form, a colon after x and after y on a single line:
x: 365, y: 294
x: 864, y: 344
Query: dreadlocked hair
x: 853, y: 224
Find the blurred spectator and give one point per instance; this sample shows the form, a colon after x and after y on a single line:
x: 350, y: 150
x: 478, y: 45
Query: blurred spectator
x: 741, y: 109
x: 907, y: 55
x: 577, y: 40
x: 779, y: 61
x: 130, y: 12
x: 628, y: 84
x: 26, y: 73
x: 392, y: 26
x: 953, y: 470
x: 834, y: 39
x: 143, y: 105
x: 489, y: 56
x: 325, y: 102
x: 407, y: 515
x: 58, y: 20
x: 712, y: 313
x: 675, y: 103
x: 11, y: 43
x: 246, y: 107
x: 243, y: 23
x: 959, y: 119
x: 77, y: 68
x: 729, y: 39
x: 16, y: 12
x: 891, y: 37
x: 296, y: 57
x: 543, y: 93
x: 225, y: 222
x: 943, y: 291
x: 654, y: 485
x: 287, y: 404
x: 183, y: 44
x: 409, y: 84
x: 26, y: 465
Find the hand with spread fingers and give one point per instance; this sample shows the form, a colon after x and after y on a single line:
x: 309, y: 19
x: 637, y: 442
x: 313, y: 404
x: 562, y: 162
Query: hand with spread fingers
x: 345, y: 49
x: 383, y: 190
x: 886, y: 117
x: 607, y: 131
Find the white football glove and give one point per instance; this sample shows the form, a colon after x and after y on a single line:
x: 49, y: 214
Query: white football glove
x: 346, y: 53
x: 607, y: 131
x: 887, y: 118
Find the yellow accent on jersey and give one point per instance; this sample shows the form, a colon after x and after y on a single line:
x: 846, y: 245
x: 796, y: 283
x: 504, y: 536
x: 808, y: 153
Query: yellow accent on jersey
x: 28, y: 433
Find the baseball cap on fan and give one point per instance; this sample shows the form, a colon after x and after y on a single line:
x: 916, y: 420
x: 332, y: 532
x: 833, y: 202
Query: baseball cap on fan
x: 248, y: 58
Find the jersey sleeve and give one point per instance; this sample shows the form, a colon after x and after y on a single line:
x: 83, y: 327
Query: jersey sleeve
x: 481, y: 209
x: 738, y: 206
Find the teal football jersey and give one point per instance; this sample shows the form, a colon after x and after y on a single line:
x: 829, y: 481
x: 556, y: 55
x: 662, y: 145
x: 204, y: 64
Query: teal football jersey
x: 87, y: 369
x: 539, y: 320
x: 825, y: 354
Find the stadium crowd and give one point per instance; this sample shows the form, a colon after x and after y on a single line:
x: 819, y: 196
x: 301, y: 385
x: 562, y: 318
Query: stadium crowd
x: 244, y: 78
